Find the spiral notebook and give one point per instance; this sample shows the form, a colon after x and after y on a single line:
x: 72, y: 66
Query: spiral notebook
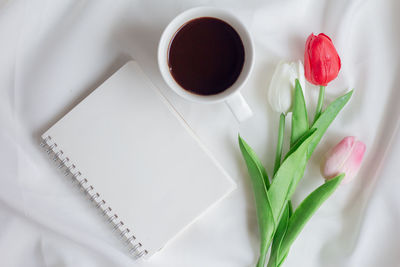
x: 137, y: 160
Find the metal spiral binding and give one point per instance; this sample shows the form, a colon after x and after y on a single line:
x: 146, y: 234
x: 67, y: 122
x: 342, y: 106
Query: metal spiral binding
x: 70, y: 170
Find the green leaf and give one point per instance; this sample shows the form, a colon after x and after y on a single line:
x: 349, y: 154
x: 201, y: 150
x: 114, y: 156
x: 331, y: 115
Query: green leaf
x: 261, y: 168
x: 287, y: 177
x: 278, y: 237
x: 258, y: 176
x: 322, y: 124
x: 304, y: 212
x: 299, y: 115
x: 250, y: 152
x: 299, y: 142
x: 283, y: 259
x: 326, y: 118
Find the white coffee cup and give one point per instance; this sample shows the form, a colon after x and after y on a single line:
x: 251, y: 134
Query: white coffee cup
x: 231, y: 95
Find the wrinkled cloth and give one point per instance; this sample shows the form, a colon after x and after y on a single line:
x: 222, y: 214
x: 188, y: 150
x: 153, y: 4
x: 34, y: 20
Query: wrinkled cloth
x: 54, y: 53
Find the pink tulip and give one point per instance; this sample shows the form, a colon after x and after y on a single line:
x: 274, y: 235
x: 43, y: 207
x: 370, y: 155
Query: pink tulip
x: 345, y: 158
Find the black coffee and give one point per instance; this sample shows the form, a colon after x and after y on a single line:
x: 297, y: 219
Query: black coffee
x: 206, y: 56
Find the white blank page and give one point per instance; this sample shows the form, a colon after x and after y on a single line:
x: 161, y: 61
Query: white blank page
x: 140, y: 156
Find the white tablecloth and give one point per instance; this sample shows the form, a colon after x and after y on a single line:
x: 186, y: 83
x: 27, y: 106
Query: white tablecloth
x: 54, y: 53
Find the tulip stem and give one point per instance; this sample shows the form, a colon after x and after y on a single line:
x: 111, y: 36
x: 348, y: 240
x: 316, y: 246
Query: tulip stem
x: 278, y: 155
x: 320, y: 102
x: 279, y: 145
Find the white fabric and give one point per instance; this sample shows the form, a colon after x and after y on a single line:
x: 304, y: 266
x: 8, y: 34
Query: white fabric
x: 54, y: 53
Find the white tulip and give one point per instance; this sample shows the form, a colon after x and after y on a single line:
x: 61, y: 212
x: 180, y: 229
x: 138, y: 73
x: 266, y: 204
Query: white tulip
x: 282, y: 84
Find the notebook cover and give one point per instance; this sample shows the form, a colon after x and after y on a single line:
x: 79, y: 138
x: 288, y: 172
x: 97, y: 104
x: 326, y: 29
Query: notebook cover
x: 141, y: 157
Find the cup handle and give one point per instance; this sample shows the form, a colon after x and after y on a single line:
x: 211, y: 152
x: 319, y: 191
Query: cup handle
x: 239, y: 107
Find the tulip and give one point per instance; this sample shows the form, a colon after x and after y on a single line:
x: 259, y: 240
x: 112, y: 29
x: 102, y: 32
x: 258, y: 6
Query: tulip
x: 280, y: 96
x: 345, y: 157
x: 321, y: 61
x: 282, y: 84
x: 321, y: 65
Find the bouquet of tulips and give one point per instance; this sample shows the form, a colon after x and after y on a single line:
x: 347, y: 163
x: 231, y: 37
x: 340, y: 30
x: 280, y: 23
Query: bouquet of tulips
x: 279, y: 222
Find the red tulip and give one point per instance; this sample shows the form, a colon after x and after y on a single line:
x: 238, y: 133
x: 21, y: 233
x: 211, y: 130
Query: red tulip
x: 321, y: 61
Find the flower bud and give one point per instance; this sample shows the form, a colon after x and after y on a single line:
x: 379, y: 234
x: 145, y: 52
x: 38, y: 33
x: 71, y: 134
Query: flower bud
x: 321, y: 61
x: 282, y: 84
x: 345, y: 158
